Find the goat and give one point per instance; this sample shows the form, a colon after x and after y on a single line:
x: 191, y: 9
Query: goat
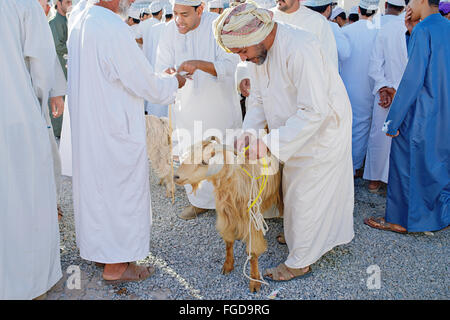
x: 159, y: 150
x: 216, y: 163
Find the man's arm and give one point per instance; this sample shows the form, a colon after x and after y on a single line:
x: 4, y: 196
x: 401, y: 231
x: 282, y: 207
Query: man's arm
x: 412, y: 81
x: 243, y: 82
x: 329, y: 42
x: 342, y: 43
x: 39, y: 50
x: 123, y: 61
x: 376, y: 65
x: 191, y: 66
x: 308, y: 74
x: 165, y: 53
x: 224, y: 65
x: 255, y: 118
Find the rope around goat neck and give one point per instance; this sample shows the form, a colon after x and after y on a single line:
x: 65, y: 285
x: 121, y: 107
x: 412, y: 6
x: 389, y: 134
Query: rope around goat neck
x: 254, y: 211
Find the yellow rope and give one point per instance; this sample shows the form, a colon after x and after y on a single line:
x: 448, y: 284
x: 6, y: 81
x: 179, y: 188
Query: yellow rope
x: 257, y: 219
x: 263, y: 175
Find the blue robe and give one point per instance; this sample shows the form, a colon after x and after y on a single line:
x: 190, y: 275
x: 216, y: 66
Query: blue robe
x: 418, y: 196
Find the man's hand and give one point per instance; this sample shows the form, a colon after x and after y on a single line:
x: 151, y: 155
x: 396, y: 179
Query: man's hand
x: 254, y: 148
x: 393, y: 136
x: 170, y: 70
x: 181, y: 80
x: 391, y: 93
x: 57, y: 106
x: 409, y: 23
x: 386, y: 96
x: 385, y: 99
x: 244, y: 86
x: 189, y: 67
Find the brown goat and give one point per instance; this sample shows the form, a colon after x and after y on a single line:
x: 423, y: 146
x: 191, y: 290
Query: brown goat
x: 232, y: 186
x: 159, y: 150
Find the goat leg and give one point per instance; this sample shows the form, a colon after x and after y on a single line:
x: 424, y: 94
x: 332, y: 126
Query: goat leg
x: 168, y: 183
x: 254, y: 273
x: 228, y: 266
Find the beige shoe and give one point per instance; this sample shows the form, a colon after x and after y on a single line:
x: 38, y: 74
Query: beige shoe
x: 191, y: 212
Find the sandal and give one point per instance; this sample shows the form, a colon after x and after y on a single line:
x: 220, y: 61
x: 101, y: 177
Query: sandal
x: 133, y: 273
x: 373, y: 189
x: 381, y: 224
x: 60, y: 213
x: 280, y: 238
x: 284, y: 273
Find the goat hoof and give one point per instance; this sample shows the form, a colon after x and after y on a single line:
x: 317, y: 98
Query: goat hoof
x: 254, y: 286
x: 226, y: 269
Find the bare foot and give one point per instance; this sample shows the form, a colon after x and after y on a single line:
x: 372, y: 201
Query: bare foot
x: 114, y: 271
x: 374, y: 186
x: 124, y: 272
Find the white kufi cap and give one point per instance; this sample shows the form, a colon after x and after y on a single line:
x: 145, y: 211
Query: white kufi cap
x: 168, y: 9
x: 369, y: 4
x: 336, y: 11
x: 134, y: 12
x: 317, y: 3
x: 215, y: 4
x: 400, y: 3
x: 192, y: 3
x: 155, y: 6
x: 353, y: 10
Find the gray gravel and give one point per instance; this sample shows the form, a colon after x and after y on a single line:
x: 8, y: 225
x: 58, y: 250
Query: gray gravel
x: 188, y: 256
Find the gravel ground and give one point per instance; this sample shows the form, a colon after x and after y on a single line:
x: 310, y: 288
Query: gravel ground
x: 188, y: 256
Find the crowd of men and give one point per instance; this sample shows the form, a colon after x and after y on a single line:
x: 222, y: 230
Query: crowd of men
x: 344, y: 97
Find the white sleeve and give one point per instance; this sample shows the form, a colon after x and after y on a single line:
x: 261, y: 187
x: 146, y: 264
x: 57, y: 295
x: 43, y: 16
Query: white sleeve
x: 39, y: 51
x: 165, y: 53
x: 255, y: 117
x: 242, y: 73
x: 329, y: 42
x: 225, y: 63
x: 376, y: 65
x: 342, y: 43
x: 306, y: 70
x: 60, y: 87
x: 125, y: 62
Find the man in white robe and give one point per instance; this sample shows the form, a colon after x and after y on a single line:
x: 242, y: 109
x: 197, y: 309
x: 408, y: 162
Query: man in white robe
x: 355, y: 74
x: 298, y: 92
x: 151, y: 34
x: 215, y: 6
x: 29, y: 234
x: 208, y: 104
x: 339, y: 16
x: 142, y: 28
x: 324, y: 7
x: 108, y: 78
x: 387, y: 63
x: 65, y: 143
x: 292, y: 12
x: 56, y: 102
